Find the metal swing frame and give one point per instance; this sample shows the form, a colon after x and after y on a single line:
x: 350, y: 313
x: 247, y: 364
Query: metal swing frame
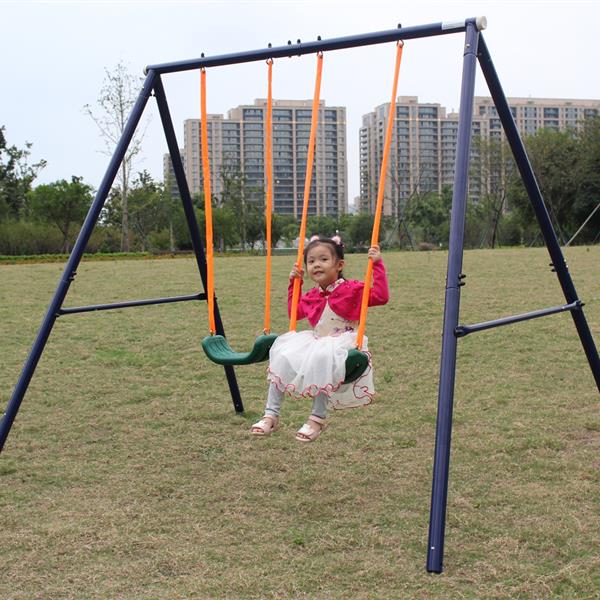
x: 475, y: 50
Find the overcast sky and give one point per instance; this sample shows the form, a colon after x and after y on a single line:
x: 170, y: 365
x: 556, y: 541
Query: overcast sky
x: 54, y: 56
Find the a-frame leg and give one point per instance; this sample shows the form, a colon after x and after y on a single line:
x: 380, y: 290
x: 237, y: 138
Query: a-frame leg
x: 475, y: 44
x: 441, y: 464
x: 558, y: 261
x: 74, y: 259
x: 190, y: 216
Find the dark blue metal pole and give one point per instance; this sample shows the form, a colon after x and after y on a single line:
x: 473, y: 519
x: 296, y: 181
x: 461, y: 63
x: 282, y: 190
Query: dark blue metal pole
x: 441, y: 464
x: 74, y: 259
x: 537, y: 201
x: 311, y: 47
x: 129, y: 303
x: 463, y: 330
x: 184, y: 192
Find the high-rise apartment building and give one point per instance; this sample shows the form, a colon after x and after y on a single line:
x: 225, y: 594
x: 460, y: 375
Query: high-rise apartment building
x: 424, y: 139
x: 237, y: 154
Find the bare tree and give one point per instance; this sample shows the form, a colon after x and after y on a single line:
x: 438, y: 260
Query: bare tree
x: 492, y: 167
x: 401, y: 206
x: 117, y: 96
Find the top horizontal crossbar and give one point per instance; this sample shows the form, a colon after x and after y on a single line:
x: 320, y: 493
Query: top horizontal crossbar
x: 300, y: 48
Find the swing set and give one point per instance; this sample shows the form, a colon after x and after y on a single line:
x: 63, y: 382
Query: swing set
x: 216, y: 346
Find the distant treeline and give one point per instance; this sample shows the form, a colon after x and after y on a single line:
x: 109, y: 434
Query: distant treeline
x: 46, y: 218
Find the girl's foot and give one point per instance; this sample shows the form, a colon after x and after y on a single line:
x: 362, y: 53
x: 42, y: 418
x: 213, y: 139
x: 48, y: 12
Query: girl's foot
x: 311, y: 430
x: 265, y: 426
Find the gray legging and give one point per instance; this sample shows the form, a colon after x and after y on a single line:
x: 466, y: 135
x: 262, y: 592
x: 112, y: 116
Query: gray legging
x: 319, y: 407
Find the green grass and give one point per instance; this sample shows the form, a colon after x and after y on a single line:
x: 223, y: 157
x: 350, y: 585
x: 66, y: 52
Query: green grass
x: 128, y: 475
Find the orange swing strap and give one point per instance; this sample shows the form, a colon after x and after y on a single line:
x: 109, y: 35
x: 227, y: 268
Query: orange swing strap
x: 269, y: 199
x: 210, y: 282
x: 307, y: 182
x: 379, y: 207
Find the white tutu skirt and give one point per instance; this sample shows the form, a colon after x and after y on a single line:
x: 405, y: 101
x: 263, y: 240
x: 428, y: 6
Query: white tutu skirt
x: 303, y: 365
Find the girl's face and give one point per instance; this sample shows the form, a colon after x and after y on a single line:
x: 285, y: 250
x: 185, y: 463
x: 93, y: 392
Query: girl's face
x: 322, y: 265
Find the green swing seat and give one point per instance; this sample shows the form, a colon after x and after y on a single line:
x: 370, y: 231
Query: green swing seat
x: 217, y: 348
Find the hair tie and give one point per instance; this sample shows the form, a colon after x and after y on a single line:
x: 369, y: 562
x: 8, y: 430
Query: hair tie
x: 313, y: 238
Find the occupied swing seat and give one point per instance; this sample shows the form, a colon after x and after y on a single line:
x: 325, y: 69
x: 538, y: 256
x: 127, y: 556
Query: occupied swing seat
x: 217, y: 348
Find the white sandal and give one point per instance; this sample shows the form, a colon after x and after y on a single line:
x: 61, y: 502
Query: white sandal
x: 307, y: 433
x: 267, y: 425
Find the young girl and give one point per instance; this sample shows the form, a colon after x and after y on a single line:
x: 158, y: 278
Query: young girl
x: 311, y: 363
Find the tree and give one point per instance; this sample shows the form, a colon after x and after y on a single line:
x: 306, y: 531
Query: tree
x: 117, y: 96
x: 400, y: 206
x: 290, y: 231
x: 492, y: 168
x: 323, y: 225
x: 280, y: 225
x: 255, y: 223
x: 588, y: 195
x: 16, y: 177
x: 174, y: 209
x: 63, y: 204
x: 225, y: 227
x: 232, y: 196
x: 554, y: 156
x: 148, y: 211
x: 430, y: 215
x: 361, y: 229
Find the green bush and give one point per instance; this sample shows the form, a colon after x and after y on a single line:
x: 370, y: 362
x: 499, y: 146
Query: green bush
x: 20, y: 237
x: 104, y: 239
x: 159, y: 241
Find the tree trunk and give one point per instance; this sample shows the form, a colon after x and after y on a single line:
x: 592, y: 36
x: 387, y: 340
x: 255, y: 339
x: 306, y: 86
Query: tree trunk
x: 497, y: 216
x: 125, y: 211
x: 171, y: 237
x: 494, y: 232
x: 64, y: 229
x: 243, y: 220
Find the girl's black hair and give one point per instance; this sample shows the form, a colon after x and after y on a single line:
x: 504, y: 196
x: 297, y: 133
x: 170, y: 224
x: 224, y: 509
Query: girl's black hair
x: 337, y: 249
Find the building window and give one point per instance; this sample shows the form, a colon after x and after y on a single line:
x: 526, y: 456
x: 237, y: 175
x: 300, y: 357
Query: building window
x: 282, y: 115
x: 255, y: 114
x: 551, y: 113
x: 303, y: 115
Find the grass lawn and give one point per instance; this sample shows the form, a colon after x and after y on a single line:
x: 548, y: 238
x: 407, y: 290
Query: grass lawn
x: 127, y: 473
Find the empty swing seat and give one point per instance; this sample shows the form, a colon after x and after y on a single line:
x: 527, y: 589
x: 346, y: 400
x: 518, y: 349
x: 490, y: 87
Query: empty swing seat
x: 217, y: 348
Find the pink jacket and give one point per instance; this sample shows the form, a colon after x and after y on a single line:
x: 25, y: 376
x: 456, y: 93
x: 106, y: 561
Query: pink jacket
x: 345, y: 300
